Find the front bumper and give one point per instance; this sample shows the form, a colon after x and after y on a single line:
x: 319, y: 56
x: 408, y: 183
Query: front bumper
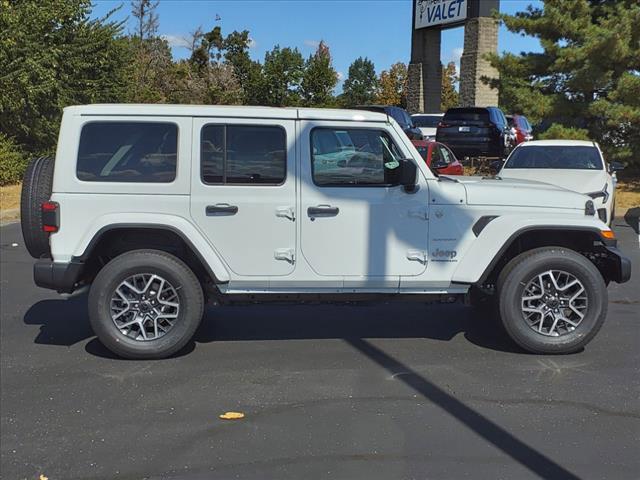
x: 62, y: 277
x: 618, y: 267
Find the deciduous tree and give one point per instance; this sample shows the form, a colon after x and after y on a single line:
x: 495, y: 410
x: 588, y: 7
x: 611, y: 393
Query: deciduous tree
x: 393, y: 86
x: 449, y: 94
x: 361, y: 84
x: 319, y: 78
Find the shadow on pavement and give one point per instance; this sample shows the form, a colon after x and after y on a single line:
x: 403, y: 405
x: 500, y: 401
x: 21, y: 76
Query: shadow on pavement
x: 522, y: 453
x: 65, y: 322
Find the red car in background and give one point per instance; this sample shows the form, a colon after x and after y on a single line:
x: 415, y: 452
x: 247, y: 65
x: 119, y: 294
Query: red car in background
x: 439, y: 157
x: 521, y: 128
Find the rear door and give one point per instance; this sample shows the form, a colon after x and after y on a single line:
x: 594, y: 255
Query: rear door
x: 243, y: 192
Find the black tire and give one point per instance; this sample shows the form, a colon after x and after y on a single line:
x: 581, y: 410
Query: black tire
x: 177, y: 273
x: 36, y: 189
x: 525, y: 267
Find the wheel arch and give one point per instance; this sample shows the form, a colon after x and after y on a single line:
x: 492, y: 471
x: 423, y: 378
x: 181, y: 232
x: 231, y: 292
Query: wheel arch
x: 586, y: 240
x: 117, y: 238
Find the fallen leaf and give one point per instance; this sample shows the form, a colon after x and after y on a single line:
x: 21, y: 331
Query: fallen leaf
x: 43, y: 477
x: 232, y: 416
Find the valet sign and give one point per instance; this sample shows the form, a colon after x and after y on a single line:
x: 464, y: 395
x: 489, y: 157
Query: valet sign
x: 430, y: 13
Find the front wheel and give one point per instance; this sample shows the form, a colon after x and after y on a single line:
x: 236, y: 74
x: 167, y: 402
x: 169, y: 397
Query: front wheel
x: 145, y: 304
x: 552, y: 300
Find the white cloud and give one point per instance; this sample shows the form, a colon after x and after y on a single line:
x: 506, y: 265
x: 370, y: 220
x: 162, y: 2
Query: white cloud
x: 176, y: 41
x: 340, y: 76
x: 312, y: 43
x: 253, y: 43
x: 456, y: 54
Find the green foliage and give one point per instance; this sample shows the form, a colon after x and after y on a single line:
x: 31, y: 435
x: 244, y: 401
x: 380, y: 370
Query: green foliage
x: 450, y: 97
x: 560, y: 132
x: 53, y: 56
x: 319, y: 78
x: 361, y: 84
x: 12, y: 161
x: 248, y: 72
x: 282, y: 74
x: 587, y: 75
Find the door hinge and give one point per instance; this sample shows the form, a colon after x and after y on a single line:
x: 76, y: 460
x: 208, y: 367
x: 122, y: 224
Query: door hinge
x: 417, y: 256
x: 286, y: 254
x: 286, y: 212
x: 420, y: 213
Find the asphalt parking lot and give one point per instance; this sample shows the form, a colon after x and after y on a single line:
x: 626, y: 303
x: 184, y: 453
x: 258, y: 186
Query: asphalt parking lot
x: 393, y: 391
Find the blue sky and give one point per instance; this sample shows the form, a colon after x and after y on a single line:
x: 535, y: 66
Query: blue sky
x: 378, y: 29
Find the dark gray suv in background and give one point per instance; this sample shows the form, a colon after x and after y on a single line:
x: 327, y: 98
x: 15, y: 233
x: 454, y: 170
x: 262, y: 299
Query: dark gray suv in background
x: 475, y: 132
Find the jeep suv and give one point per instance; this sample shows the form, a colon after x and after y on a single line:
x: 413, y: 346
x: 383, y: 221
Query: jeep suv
x: 156, y: 209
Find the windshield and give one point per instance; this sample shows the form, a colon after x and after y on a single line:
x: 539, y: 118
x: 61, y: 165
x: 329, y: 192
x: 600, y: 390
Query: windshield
x: 571, y: 157
x: 427, y: 121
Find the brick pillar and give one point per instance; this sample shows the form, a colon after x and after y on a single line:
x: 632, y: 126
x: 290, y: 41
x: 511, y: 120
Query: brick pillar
x: 415, y: 93
x: 480, y: 38
x: 425, y: 72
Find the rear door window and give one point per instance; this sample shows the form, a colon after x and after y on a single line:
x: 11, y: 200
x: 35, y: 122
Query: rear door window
x: 243, y: 154
x: 128, y: 152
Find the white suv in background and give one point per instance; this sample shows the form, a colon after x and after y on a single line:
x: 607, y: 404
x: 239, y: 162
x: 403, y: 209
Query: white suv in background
x: 572, y: 164
x: 159, y: 208
x: 427, y: 123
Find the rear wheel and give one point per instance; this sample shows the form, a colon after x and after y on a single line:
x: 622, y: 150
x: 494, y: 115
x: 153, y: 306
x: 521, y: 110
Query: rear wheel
x: 36, y: 189
x: 552, y: 300
x: 145, y: 304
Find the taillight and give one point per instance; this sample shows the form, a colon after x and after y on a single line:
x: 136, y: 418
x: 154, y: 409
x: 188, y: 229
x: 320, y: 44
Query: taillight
x: 50, y: 216
x: 442, y: 125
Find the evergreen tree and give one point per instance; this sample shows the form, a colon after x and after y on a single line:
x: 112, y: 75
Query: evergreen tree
x: 587, y: 75
x: 360, y: 86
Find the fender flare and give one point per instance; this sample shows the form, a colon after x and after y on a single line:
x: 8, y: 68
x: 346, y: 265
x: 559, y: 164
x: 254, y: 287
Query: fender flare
x: 210, y: 259
x: 460, y: 277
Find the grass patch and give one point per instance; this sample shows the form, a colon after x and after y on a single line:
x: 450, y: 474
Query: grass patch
x: 10, y: 202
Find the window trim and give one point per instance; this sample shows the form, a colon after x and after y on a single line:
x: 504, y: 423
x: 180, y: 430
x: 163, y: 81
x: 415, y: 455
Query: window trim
x: 224, y: 161
x: 111, y: 182
x: 313, y: 178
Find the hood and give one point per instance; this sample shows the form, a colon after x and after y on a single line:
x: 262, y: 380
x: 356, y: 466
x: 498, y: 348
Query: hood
x: 519, y: 193
x: 583, y: 181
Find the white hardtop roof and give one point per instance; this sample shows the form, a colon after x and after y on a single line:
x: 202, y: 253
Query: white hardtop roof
x: 560, y: 143
x: 237, y: 111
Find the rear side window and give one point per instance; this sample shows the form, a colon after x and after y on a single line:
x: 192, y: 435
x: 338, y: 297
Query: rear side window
x: 128, y: 152
x: 243, y: 154
x: 426, y: 121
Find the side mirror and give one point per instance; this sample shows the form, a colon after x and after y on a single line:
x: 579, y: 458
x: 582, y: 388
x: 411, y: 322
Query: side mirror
x: 615, y: 167
x: 496, y: 166
x: 408, y: 174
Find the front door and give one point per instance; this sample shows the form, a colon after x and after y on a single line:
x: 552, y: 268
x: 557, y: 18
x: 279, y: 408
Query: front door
x: 243, y: 196
x: 353, y: 221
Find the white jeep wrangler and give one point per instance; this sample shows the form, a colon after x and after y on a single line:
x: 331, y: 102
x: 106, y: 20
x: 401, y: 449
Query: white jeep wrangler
x: 160, y: 207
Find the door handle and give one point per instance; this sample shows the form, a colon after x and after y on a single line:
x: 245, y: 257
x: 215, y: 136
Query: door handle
x: 221, y: 209
x: 322, y: 211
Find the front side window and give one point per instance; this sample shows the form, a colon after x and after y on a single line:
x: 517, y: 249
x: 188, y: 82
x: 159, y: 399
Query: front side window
x: 357, y: 156
x: 573, y: 157
x: 128, y: 152
x: 243, y: 154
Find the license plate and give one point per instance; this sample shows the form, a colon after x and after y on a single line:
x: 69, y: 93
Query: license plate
x: 464, y: 129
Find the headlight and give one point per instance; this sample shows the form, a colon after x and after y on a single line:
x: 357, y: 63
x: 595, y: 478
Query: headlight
x: 589, y: 208
x: 604, y: 194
